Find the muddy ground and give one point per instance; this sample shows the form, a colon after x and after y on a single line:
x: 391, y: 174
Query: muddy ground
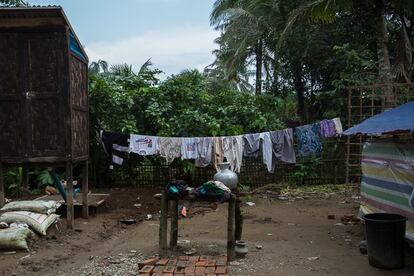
x: 296, y: 236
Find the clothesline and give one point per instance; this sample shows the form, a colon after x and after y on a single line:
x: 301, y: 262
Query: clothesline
x: 274, y: 146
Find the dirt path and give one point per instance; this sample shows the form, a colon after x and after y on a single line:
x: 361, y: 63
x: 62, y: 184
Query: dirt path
x: 290, y: 233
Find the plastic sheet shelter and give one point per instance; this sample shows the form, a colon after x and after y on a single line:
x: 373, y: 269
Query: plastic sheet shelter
x: 399, y: 119
x: 388, y: 180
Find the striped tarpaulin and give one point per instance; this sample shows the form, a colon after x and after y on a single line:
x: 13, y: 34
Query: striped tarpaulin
x: 388, y: 180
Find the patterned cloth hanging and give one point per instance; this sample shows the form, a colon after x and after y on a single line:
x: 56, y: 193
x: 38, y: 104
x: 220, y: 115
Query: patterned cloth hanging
x: 309, y: 139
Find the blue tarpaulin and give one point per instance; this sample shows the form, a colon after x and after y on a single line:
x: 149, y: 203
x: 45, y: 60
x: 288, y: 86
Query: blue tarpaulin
x: 397, y: 119
x: 75, y: 47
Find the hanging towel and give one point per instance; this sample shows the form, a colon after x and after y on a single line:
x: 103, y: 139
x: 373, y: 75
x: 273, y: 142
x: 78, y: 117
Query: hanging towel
x: 309, y: 139
x: 278, y: 146
x: 189, y: 148
x: 328, y: 128
x: 282, y: 143
x: 170, y: 148
x: 267, y: 151
x: 252, y: 145
x: 144, y: 144
x: 338, y: 125
x: 217, y: 156
x: 204, y: 151
x: 233, y: 151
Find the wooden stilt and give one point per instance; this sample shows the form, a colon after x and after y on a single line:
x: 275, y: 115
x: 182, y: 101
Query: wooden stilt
x: 25, y: 177
x: 85, y: 190
x: 69, y: 192
x: 163, y: 247
x: 2, y: 196
x: 174, y: 225
x: 230, y: 229
x: 239, y: 221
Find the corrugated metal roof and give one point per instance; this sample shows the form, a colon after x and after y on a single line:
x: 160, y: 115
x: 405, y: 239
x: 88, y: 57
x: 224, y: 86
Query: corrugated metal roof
x: 27, y: 12
x: 50, y: 11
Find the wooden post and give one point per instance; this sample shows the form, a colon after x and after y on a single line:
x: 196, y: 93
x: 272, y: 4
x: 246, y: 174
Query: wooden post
x: 85, y: 190
x: 239, y: 221
x: 25, y: 177
x: 69, y: 197
x: 162, y: 243
x: 230, y: 229
x: 174, y: 225
x: 2, y: 199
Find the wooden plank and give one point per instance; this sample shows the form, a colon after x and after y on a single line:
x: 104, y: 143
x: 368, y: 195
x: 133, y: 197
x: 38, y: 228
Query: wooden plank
x: 230, y: 229
x: 174, y: 225
x: 163, y: 227
x: 85, y: 190
x: 94, y: 200
x: 2, y: 196
x: 69, y: 191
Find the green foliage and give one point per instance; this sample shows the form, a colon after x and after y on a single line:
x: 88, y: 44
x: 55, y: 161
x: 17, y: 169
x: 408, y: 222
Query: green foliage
x: 188, y: 104
x: 307, y: 170
x: 13, y: 3
x: 311, y: 47
x: 13, y: 181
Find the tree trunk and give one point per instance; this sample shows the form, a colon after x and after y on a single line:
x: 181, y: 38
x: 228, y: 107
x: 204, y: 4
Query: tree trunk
x: 259, y: 66
x: 300, y: 91
x: 384, y: 63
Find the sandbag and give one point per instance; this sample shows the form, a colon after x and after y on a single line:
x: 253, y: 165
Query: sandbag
x: 37, y: 222
x: 36, y: 206
x: 14, y: 238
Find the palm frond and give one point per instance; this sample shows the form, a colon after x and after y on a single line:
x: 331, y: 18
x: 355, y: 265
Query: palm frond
x: 145, y: 66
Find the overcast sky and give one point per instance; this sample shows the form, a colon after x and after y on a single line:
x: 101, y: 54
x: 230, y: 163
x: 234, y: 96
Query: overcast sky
x: 176, y: 34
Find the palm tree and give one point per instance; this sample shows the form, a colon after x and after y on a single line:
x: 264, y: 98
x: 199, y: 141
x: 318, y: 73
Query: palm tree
x: 326, y: 11
x: 242, y: 36
x: 97, y: 67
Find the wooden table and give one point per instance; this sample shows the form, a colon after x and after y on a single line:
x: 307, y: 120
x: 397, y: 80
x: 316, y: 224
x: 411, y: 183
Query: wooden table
x: 166, y: 247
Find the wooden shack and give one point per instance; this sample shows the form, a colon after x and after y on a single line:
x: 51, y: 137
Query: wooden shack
x: 43, y: 94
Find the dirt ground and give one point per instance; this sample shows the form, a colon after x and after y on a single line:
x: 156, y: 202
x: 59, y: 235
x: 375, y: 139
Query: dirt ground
x: 296, y: 236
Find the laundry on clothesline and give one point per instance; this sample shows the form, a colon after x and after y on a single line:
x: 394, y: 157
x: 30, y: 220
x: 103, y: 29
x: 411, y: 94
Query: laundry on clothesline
x: 271, y: 146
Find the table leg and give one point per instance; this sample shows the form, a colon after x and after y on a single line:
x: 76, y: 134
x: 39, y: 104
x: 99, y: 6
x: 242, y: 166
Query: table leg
x: 174, y: 225
x: 239, y: 221
x: 230, y: 229
x: 163, y: 247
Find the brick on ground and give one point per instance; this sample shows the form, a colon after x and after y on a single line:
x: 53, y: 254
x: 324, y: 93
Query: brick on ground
x: 151, y: 261
x: 194, y: 258
x: 159, y: 268
x: 172, y: 262
x: 221, y: 270
x: 189, y: 270
x: 211, y: 263
x: 181, y: 263
x: 200, y: 270
x: 179, y: 270
x: 147, y: 269
x: 221, y: 262
x: 162, y: 262
x: 204, y: 258
x: 201, y: 263
x: 210, y: 270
